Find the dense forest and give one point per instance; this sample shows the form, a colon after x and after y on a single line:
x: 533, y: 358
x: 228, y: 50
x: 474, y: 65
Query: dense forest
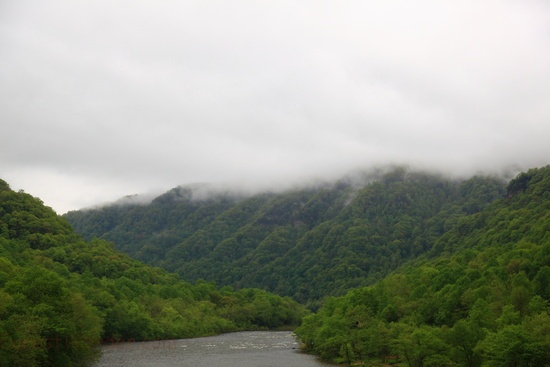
x: 402, y: 267
x: 305, y: 243
x: 61, y: 296
x: 480, y: 297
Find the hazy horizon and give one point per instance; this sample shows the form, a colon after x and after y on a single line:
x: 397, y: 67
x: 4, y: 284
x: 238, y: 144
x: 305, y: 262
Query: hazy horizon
x: 358, y: 178
x: 106, y: 99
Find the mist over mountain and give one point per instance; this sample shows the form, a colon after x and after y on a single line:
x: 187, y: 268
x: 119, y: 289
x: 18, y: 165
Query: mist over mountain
x: 308, y: 242
x: 426, y: 270
x: 457, y: 272
x: 374, y: 161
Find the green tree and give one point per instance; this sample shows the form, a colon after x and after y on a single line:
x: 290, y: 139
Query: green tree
x: 464, y: 337
x: 511, y: 346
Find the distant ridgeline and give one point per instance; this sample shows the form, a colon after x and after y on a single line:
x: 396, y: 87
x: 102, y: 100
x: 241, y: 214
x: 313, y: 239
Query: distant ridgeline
x: 306, y: 243
x: 60, y: 296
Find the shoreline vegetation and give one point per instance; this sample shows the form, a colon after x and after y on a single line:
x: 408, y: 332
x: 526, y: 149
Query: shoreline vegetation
x: 473, y: 289
x: 60, y: 295
x: 479, y: 298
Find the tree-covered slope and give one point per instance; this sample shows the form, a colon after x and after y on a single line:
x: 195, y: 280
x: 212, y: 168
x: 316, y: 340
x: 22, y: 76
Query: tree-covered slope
x: 480, y: 298
x: 60, y: 296
x: 305, y: 243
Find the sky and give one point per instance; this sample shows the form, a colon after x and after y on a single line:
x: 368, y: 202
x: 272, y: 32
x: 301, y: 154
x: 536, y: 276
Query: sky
x: 101, y: 99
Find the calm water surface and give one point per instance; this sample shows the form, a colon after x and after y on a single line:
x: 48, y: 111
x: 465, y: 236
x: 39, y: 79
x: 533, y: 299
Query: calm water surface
x: 243, y: 349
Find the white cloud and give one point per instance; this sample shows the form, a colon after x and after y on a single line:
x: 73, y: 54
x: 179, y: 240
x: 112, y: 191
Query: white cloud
x: 100, y: 99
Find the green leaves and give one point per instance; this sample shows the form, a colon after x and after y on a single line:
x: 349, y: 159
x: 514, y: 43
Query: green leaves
x: 517, y: 345
x: 475, y: 295
x: 463, y: 338
x: 337, y: 237
x: 484, y: 303
x: 61, y: 296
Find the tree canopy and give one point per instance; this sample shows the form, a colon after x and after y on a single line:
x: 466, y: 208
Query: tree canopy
x: 478, y: 298
x: 61, y: 296
x: 305, y: 243
x: 408, y: 268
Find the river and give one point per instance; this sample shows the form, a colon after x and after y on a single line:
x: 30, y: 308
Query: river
x: 242, y: 349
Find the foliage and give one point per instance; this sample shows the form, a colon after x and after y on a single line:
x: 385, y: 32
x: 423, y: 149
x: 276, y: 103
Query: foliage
x: 408, y: 268
x: 335, y: 237
x: 61, y: 296
x: 478, y: 298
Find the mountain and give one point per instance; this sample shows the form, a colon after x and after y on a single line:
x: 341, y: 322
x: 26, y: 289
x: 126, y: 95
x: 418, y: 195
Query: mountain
x: 402, y: 267
x: 480, y: 297
x: 305, y: 243
x: 60, y: 296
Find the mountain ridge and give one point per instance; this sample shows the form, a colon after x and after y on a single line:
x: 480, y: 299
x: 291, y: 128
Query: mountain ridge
x: 338, y: 236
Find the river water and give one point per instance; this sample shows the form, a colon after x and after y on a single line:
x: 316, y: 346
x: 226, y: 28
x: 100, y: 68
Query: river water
x: 242, y: 349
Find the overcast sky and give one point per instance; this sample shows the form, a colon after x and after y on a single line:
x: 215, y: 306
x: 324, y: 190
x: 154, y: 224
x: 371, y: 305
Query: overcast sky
x: 100, y: 99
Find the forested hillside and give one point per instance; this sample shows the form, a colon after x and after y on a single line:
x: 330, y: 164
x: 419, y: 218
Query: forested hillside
x: 60, y: 296
x: 469, y: 263
x: 482, y: 301
x: 305, y: 243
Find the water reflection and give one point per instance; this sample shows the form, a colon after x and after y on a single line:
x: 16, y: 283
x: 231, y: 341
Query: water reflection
x: 244, y: 349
